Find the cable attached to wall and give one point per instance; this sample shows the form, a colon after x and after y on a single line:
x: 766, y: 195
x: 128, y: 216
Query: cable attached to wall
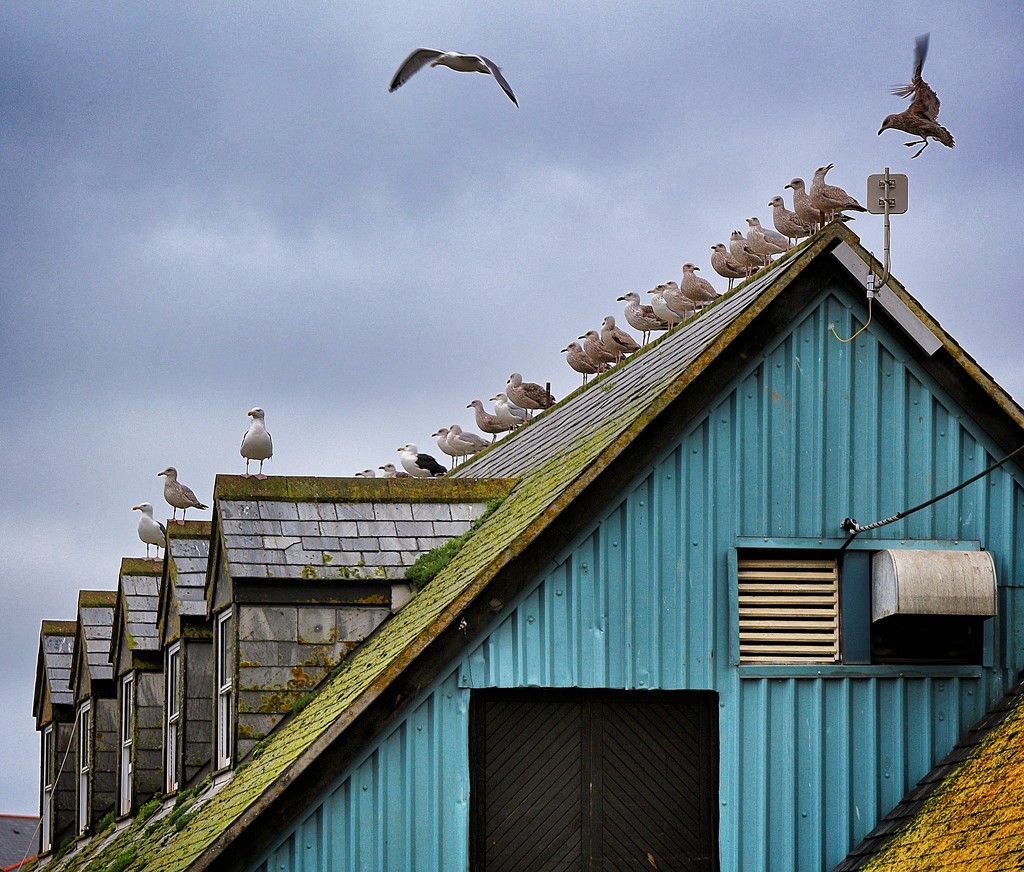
x: 853, y: 529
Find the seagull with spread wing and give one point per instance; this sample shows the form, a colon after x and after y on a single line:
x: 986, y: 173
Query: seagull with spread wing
x: 454, y: 60
x: 918, y: 119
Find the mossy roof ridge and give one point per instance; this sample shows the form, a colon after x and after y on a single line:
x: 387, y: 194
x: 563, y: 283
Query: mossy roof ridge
x: 975, y: 818
x: 189, y: 530
x: 141, y: 566
x: 57, y: 628
x: 357, y: 490
x: 96, y: 599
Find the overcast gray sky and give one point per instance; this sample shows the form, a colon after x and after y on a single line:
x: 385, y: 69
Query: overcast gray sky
x: 212, y: 206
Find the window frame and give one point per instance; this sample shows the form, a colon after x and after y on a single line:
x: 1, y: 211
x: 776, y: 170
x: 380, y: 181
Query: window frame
x: 84, y: 765
x: 126, y: 745
x: 46, y: 792
x: 172, y: 719
x: 224, y: 689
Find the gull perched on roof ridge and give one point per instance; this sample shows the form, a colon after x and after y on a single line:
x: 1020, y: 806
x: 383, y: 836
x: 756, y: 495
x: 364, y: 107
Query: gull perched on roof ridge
x: 528, y: 395
x: 695, y: 288
x: 802, y: 203
x: 417, y: 464
x: 788, y: 223
x: 743, y: 253
x: 765, y: 242
x: 441, y: 438
x: 507, y: 411
x: 151, y: 531
x: 599, y: 353
x: 390, y: 471
x: 617, y: 339
x: 465, y: 443
x: 640, y: 316
x: 828, y: 199
x: 256, y: 443
x: 177, y: 495
x: 919, y: 118
x: 486, y: 421
x: 662, y: 307
x: 454, y: 60
x: 723, y: 263
x: 366, y: 473
x: 580, y: 361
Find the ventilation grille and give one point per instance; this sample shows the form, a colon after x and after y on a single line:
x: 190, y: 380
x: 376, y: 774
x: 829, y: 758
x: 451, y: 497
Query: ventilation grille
x: 789, y: 610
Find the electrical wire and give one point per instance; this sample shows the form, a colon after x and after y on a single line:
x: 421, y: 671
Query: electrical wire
x: 850, y: 526
x: 862, y: 329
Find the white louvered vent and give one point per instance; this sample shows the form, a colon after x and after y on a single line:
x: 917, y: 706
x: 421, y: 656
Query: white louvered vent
x: 789, y: 610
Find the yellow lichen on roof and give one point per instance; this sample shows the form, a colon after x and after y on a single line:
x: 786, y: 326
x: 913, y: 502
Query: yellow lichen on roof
x: 975, y: 819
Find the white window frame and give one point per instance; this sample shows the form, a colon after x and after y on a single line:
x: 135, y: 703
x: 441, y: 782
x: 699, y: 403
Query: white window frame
x: 172, y: 674
x: 224, y: 680
x: 46, y: 803
x: 84, y: 765
x: 126, y: 744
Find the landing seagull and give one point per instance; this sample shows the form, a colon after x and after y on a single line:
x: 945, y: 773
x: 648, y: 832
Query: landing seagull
x: 177, y: 495
x: 918, y: 119
x: 419, y: 465
x: 461, y: 63
x: 256, y: 443
x: 151, y: 531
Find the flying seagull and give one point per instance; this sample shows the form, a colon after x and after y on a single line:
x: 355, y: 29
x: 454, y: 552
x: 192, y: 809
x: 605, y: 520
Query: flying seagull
x: 918, y: 119
x: 256, y: 443
x: 419, y: 465
x: 151, y: 531
x: 461, y: 63
x: 177, y: 495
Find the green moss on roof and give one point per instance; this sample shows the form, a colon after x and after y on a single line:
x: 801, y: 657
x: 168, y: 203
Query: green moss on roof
x: 57, y: 628
x: 96, y: 599
x: 975, y: 819
x: 189, y: 530
x: 359, y: 490
x: 141, y: 566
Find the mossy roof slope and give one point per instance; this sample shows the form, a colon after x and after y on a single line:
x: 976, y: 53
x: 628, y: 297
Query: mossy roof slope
x: 556, y: 457
x: 968, y: 813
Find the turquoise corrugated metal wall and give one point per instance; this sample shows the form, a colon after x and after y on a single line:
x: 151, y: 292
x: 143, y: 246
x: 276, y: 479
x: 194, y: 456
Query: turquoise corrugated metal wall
x: 810, y: 757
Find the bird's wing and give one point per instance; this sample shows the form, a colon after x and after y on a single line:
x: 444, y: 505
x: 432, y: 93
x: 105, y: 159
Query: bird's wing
x: 499, y: 78
x: 925, y: 103
x: 413, y: 64
x: 163, y: 529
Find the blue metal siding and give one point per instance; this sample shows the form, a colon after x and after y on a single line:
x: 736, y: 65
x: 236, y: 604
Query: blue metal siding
x: 810, y: 758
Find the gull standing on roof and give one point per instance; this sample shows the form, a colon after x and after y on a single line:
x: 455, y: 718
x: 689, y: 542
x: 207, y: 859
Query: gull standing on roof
x: 454, y: 60
x: 725, y: 264
x: 256, y: 443
x: 617, y: 339
x: 366, y: 473
x: 765, y: 242
x: 697, y: 290
x: 788, y: 223
x: 177, y: 495
x: 641, y: 317
x: 486, y: 421
x: 390, y: 471
x: 528, y: 395
x: 802, y: 204
x: 151, y: 531
x: 661, y: 307
x: 419, y: 465
x: 828, y: 199
x: 507, y: 411
x: 580, y: 361
x: 464, y: 443
x: 599, y: 353
x: 919, y: 118
x: 441, y: 438
x: 743, y: 253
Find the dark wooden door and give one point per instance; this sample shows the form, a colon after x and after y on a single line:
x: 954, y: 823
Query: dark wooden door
x: 594, y: 780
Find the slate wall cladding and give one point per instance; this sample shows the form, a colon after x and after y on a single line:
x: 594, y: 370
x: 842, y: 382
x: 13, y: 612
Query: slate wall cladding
x: 197, y: 720
x: 63, y: 815
x: 104, y: 760
x: 147, y: 766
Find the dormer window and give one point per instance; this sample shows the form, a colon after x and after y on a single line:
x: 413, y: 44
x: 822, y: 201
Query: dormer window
x: 46, y: 804
x: 173, y: 722
x: 125, y: 766
x: 225, y: 686
x: 84, y: 766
